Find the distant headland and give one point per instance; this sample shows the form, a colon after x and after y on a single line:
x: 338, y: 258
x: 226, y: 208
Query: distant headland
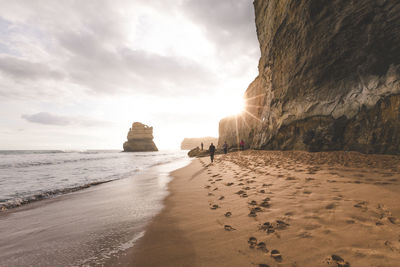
x: 190, y: 143
x: 140, y: 139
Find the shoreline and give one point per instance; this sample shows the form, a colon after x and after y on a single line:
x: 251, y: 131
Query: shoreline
x: 11, y: 207
x: 86, y: 227
x: 288, y: 208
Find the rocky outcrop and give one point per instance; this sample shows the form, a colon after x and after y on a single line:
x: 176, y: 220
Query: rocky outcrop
x: 140, y: 139
x: 190, y: 143
x: 328, y: 78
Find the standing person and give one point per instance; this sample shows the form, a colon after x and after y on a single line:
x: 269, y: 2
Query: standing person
x: 202, y: 145
x: 212, y: 151
x: 241, y: 145
x: 225, y: 146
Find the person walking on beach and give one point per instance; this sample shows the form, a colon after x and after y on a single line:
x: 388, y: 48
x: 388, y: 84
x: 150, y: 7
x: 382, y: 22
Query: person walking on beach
x: 225, y: 146
x: 202, y: 145
x: 241, y: 145
x: 212, y: 151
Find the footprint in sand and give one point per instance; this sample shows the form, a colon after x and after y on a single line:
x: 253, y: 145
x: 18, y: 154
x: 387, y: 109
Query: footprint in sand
x: 336, y: 260
x: 214, y: 207
x: 228, y: 214
x: 276, y: 255
x: 252, y: 214
x: 228, y: 228
x: 253, y: 203
x: 267, y: 227
x: 229, y: 184
x: 331, y: 206
x: 265, y: 203
x: 305, y: 235
x: 281, y: 225
x: 262, y: 246
x: 221, y: 198
x: 252, y: 241
x: 240, y: 192
x: 362, y: 205
x: 393, y: 246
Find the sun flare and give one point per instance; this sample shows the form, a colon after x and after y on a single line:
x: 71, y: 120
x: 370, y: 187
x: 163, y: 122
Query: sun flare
x: 230, y: 106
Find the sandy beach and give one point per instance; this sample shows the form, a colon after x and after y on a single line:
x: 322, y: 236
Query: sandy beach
x: 278, y: 208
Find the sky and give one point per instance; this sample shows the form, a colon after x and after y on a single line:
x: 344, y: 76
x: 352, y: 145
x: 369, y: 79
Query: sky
x: 76, y: 74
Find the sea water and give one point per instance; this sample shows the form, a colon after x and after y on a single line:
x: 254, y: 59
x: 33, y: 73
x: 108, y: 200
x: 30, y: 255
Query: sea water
x: 79, y: 208
x: 27, y: 176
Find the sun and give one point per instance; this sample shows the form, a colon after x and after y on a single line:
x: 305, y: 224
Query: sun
x: 230, y: 105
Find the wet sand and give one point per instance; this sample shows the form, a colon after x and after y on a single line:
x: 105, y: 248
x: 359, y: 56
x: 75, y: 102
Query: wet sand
x: 91, y: 227
x: 271, y: 208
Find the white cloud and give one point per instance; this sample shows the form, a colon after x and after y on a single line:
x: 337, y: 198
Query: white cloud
x: 122, y: 61
x: 47, y: 118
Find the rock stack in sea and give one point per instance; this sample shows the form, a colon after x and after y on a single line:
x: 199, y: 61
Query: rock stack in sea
x: 329, y: 78
x: 140, y: 138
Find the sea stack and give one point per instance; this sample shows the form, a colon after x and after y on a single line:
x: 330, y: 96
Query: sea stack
x: 140, y: 138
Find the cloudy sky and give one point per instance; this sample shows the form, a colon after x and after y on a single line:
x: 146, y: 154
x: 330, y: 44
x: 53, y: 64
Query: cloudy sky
x: 75, y: 74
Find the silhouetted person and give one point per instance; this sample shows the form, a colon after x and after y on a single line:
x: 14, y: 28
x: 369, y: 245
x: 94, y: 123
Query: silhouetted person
x: 202, y: 145
x: 225, y: 147
x: 212, y: 151
x: 241, y: 145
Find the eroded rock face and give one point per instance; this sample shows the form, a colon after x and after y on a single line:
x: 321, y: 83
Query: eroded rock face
x: 140, y: 139
x: 328, y: 78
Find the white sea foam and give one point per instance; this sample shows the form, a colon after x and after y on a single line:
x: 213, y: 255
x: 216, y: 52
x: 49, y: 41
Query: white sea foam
x: 27, y: 176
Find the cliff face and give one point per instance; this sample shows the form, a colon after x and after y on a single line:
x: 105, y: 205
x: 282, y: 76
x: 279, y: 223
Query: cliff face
x: 190, y: 143
x: 140, y: 139
x: 328, y: 78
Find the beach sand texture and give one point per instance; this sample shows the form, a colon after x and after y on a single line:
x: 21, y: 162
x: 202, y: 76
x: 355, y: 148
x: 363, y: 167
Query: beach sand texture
x: 278, y: 208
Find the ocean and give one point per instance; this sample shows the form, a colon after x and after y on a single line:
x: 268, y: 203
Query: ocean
x: 27, y: 176
x: 78, y: 208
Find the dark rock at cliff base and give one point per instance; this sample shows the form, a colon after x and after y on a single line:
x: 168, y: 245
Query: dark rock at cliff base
x: 329, y: 78
x: 197, y: 152
x: 140, y: 139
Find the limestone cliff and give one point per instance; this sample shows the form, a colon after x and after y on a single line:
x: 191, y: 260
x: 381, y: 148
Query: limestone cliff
x: 190, y: 143
x: 328, y: 78
x: 140, y: 139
